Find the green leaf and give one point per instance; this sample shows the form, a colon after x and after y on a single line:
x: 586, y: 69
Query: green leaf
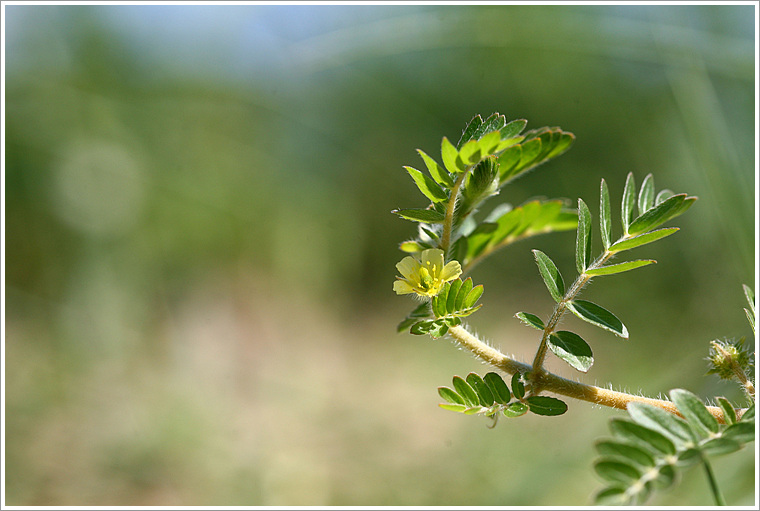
x: 616, y: 471
x: 694, y: 411
x: 661, y: 213
x: 629, y: 202
x: 513, y: 128
x: 749, y: 414
x: 473, y: 296
x: 599, y: 316
x: 467, y: 392
x: 550, y: 274
x: 494, y: 122
x: 719, y: 445
x: 438, y: 329
x: 515, y: 409
x: 438, y: 302
x: 474, y: 410
x: 625, y: 451
x: 464, y: 290
x: 498, y: 388
x: 651, y: 440
x: 642, y: 239
x: 729, y: 414
x: 436, y: 171
x: 453, y: 292
x: 453, y: 407
x: 583, y: 238
x: 613, y: 496
x: 450, y: 157
x: 750, y: 295
x: 470, y: 153
x: 470, y: 131
x: 662, y: 195
x: 742, y: 432
x: 450, y: 396
x: 571, y: 348
x: 429, y: 216
x: 518, y: 388
x: 545, y: 405
x: 620, y: 267
x: 605, y: 219
x: 531, y: 320
x: 421, y: 327
x: 481, y: 389
x: 666, y: 476
x: 488, y: 143
x: 663, y: 422
x: 646, y: 194
x: 427, y: 186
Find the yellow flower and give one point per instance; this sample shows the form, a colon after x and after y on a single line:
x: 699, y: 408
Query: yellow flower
x: 425, y: 277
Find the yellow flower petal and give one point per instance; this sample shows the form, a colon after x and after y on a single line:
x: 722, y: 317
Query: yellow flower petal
x: 402, y: 287
x: 432, y: 259
x: 451, y: 271
x: 409, y: 267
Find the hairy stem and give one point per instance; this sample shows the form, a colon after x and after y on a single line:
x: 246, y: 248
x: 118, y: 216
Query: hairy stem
x: 557, y: 384
x: 448, y: 221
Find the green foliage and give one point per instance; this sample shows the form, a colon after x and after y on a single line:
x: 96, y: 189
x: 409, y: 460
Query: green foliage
x: 456, y: 300
x: 489, y: 154
x: 647, y: 451
x: 490, y: 396
x: 638, y: 230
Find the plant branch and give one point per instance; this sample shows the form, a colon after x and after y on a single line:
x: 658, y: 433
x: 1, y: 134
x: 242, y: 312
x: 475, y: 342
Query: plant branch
x: 448, y: 220
x: 559, y: 385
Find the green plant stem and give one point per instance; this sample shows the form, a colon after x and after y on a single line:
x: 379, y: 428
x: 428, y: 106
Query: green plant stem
x: 719, y: 501
x: 448, y: 220
x: 551, y: 382
x: 559, y: 310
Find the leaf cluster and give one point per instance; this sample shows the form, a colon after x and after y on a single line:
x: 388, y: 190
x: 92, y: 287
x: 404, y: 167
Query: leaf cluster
x: 489, y: 154
x: 649, y: 449
x: 491, y: 396
x: 456, y: 300
x: 642, y: 214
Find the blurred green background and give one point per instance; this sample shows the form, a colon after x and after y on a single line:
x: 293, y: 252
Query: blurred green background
x: 200, y: 251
